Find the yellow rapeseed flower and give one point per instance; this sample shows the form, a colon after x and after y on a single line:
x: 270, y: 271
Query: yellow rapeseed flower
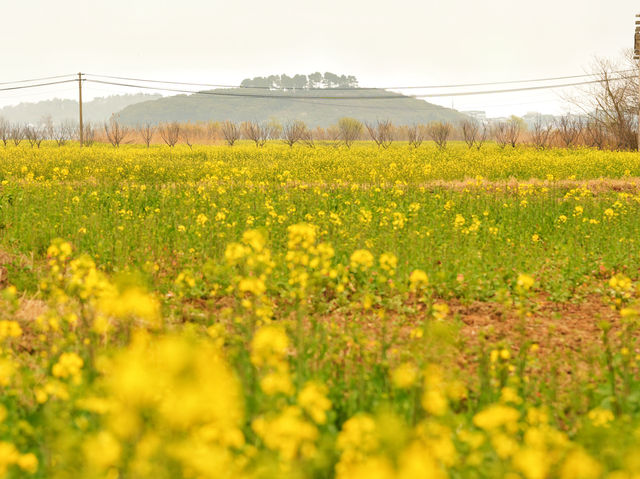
x: 525, y: 282
x: 495, y: 416
x: 418, y: 279
x: 313, y: 400
x: 68, y: 365
x: 405, y: 375
x: 361, y: 260
x: 269, y: 346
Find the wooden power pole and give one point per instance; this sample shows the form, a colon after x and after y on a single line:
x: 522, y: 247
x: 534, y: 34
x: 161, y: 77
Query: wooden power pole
x: 81, y: 127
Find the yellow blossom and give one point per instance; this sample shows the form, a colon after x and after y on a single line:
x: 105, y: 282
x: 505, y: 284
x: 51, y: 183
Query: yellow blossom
x: 361, y: 259
x: 405, y: 375
x: 313, y: 399
x: 418, y: 280
x: 496, y: 416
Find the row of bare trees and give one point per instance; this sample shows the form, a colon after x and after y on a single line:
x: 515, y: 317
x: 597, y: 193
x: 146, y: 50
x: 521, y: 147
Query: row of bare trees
x: 570, y: 131
x: 566, y: 131
x: 35, y: 134
x: 173, y: 132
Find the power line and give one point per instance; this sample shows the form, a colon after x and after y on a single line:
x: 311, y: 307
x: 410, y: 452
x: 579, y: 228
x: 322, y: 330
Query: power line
x: 386, y: 108
x: 351, y: 97
x: 33, y: 80
x: 510, y: 90
x: 458, y: 85
x: 39, y: 93
x: 311, y: 101
x: 36, y: 86
x: 534, y: 80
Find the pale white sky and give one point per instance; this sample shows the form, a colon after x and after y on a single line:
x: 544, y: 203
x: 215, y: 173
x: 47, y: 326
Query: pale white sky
x: 382, y: 43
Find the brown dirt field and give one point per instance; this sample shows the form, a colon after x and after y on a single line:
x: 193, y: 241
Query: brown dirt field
x: 596, y: 186
x: 570, y: 327
x: 565, y: 331
x: 30, y: 309
x: 5, y: 258
x: 565, y: 327
x: 553, y: 326
x: 511, y: 185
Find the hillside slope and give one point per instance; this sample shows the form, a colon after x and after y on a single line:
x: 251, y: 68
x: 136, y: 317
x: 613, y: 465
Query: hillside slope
x: 97, y: 110
x: 315, y: 108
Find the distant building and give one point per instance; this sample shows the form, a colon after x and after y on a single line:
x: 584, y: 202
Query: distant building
x: 476, y: 114
x: 532, y: 118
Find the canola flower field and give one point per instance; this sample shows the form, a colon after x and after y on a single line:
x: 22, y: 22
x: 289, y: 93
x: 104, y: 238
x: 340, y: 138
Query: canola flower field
x: 243, y: 312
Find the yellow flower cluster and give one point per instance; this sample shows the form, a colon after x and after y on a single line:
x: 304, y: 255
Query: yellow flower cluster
x: 269, y: 351
x: 253, y: 265
x: 308, y: 261
x: 169, y: 402
x: 326, y: 340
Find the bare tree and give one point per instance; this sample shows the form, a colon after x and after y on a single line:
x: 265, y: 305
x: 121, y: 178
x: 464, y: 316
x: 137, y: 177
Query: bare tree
x: 116, y: 132
x: 415, y: 135
x: 49, y: 127
x: 439, y: 132
x: 569, y: 129
x: 170, y: 133
x: 34, y: 135
x: 259, y: 133
x: 4, y: 131
x: 294, y: 131
x: 381, y: 133
x: 275, y: 129
x: 500, y: 134
x: 595, y: 134
x: 213, y: 130
x: 30, y: 134
x: 252, y: 131
x: 230, y: 132
x: 17, y: 133
x: 483, y: 135
x: 333, y: 136
x: 349, y: 130
x: 89, y: 134
x: 541, y: 133
x: 146, y: 132
x: 308, y: 138
x: 470, y: 130
x: 513, y: 130
x: 64, y: 132
x: 612, y: 102
x: 186, y: 135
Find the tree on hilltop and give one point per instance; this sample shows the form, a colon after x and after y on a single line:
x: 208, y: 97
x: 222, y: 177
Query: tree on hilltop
x: 301, y: 82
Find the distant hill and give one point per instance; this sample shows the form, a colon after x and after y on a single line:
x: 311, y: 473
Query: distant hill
x: 97, y: 110
x: 234, y: 104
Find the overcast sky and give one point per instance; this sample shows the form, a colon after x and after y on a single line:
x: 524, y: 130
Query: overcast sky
x: 419, y: 42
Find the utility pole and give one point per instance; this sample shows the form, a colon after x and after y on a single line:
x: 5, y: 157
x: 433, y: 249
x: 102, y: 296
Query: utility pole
x: 80, y: 111
x: 636, y: 56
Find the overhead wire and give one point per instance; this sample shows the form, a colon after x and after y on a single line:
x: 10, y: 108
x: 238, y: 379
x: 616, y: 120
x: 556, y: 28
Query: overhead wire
x: 433, y: 107
x: 351, y: 97
x: 36, y: 86
x: 311, y: 102
x: 16, y: 82
x: 413, y: 87
x: 317, y: 100
x: 39, y: 93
